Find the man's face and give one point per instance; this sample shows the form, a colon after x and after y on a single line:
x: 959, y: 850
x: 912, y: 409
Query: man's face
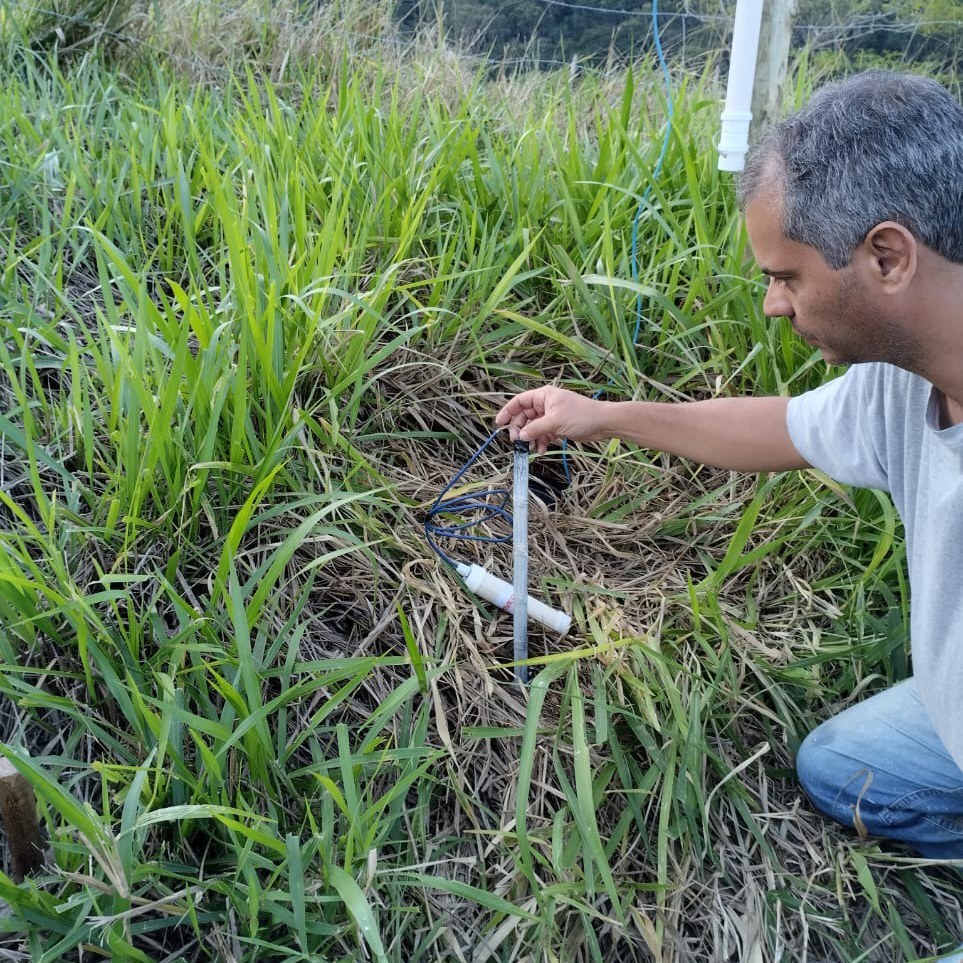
x: 832, y: 310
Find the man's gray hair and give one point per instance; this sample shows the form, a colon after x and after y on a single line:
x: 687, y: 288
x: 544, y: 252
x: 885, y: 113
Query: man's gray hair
x: 878, y: 146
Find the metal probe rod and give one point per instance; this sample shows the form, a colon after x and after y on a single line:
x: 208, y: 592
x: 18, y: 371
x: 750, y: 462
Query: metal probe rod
x: 520, y: 558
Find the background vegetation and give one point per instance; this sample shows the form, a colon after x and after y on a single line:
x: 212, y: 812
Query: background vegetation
x: 855, y: 32
x: 264, y: 282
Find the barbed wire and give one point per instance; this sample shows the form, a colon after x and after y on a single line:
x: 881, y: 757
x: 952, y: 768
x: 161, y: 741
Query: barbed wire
x: 858, y: 27
x: 665, y: 15
x: 860, y: 22
x: 816, y: 35
x: 871, y: 22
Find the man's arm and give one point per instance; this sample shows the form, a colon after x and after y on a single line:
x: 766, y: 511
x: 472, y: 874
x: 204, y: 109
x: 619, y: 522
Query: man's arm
x: 746, y: 434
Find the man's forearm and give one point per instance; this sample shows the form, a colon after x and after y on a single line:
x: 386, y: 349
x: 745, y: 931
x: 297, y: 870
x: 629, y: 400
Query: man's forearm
x: 746, y: 434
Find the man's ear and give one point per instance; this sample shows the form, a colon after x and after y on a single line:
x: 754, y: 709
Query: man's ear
x: 890, y: 252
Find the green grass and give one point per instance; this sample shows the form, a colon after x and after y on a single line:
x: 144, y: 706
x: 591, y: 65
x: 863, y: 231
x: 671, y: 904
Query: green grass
x: 249, y: 330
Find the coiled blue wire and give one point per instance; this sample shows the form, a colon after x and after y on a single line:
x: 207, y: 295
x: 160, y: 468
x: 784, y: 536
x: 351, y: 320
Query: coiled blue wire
x: 480, y: 507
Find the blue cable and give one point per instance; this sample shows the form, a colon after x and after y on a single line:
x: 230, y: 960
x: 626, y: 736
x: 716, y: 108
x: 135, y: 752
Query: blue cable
x: 656, y: 172
x: 480, y: 504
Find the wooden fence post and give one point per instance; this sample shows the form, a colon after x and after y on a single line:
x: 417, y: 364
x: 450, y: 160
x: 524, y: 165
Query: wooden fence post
x: 18, y: 811
x: 772, y: 61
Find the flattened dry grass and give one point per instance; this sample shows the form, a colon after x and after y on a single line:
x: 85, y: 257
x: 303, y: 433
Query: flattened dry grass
x: 248, y: 335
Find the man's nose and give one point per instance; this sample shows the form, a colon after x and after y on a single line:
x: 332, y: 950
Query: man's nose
x: 776, y: 304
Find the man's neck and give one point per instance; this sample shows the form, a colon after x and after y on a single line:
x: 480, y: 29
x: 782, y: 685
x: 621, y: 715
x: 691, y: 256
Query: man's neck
x: 930, y: 316
x: 951, y: 412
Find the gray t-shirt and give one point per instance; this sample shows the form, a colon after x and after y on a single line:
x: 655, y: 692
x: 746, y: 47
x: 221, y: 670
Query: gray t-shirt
x: 878, y: 427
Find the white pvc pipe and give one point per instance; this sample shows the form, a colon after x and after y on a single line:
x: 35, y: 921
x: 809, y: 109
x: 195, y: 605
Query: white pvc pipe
x: 734, y: 136
x: 502, y: 594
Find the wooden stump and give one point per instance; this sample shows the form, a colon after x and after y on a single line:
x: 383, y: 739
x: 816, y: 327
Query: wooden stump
x: 18, y: 811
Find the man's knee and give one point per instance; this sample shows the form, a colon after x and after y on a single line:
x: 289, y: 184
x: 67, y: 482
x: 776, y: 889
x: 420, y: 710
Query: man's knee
x: 814, y: 760
x: 830, y: 770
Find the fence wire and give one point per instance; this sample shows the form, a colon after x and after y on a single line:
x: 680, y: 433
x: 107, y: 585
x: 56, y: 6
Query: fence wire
x: 813, y: 35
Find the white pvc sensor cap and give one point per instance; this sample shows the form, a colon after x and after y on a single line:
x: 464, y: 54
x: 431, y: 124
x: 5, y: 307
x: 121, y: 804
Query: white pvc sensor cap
x: 734, y: 139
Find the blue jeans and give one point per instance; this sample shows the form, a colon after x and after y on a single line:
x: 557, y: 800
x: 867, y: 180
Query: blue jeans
x: 880, y: 768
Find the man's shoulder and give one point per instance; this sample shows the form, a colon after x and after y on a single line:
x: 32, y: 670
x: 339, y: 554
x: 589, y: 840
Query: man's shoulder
x: 884, y: 382
x: 868, y: 396
x: 862, y: 427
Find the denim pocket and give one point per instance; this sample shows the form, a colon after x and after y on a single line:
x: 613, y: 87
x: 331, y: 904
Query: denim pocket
x: 942, y: 807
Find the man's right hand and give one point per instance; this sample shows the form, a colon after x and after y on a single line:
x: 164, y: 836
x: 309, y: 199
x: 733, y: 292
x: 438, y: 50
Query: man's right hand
x: 543, y: 416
